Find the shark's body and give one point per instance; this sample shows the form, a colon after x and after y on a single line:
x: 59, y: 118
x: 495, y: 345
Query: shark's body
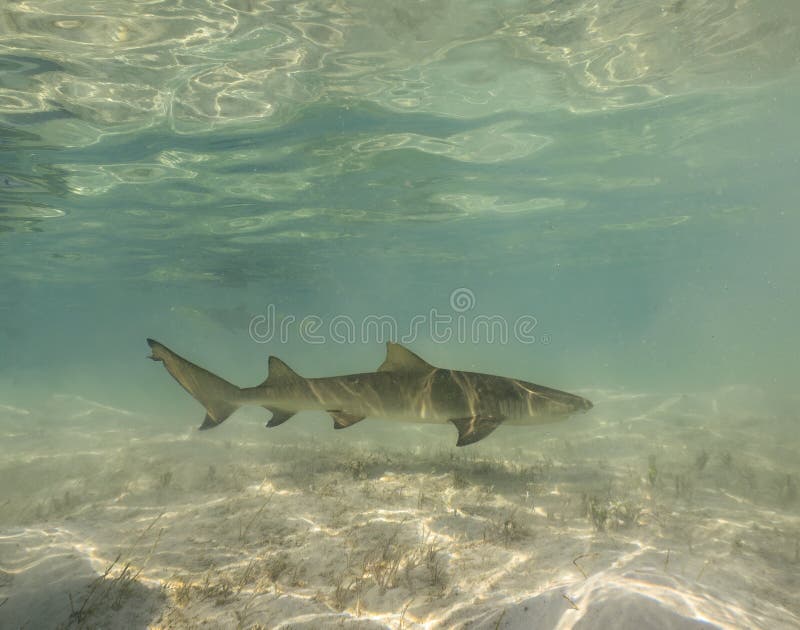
x: 404, y: 388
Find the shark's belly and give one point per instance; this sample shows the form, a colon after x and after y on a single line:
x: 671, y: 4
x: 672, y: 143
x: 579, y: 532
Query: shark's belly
x: 530, y: 421
x: 416, y: 418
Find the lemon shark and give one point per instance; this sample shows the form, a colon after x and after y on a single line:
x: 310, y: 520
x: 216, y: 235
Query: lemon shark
x: 405, y: 388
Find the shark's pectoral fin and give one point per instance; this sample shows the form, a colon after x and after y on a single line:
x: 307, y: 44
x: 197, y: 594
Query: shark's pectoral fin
x: 342, y: 419
x: 279, y: 416
x: 475, y: 428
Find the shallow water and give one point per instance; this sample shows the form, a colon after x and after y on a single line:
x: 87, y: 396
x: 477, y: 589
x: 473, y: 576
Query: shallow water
x: 598, y: 197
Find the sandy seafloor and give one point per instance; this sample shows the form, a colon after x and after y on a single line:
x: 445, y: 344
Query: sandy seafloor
x: 668, y: 511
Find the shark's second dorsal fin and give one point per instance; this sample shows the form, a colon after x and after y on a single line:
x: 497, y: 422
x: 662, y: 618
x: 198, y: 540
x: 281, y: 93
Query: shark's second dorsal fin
x: 279, y: 371
x: 400, y: 359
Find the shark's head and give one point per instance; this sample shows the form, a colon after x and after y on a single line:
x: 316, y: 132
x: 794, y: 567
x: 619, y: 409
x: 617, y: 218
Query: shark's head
x: 566, y: 404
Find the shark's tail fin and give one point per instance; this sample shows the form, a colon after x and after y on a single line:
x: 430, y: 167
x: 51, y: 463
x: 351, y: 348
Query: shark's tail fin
x: 218, y: 396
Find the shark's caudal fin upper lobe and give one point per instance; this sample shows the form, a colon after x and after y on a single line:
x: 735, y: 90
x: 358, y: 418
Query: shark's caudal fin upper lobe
x: 218, y: 396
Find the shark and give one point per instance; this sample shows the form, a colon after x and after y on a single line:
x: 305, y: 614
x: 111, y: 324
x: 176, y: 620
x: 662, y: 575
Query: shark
x: 404, y: 388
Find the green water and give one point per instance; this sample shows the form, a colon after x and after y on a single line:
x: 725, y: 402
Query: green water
x: 623, y: 174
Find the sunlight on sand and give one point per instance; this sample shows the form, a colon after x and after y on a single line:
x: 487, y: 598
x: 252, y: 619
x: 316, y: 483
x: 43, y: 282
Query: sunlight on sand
x: 588, y: 524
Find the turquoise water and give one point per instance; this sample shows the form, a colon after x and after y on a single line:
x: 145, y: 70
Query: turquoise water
x: 621, y: 174
x: 624, y: 177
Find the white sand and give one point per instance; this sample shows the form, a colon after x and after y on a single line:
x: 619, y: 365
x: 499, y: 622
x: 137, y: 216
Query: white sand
x: 651, y: 511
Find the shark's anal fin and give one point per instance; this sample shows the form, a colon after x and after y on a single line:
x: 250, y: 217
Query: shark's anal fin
x: 279, y: 416
x: 475, y: 428
x: 342, y: 419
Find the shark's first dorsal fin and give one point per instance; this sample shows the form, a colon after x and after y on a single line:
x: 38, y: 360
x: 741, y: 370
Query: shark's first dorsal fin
x: 400, y: 359
x: 279, y: 371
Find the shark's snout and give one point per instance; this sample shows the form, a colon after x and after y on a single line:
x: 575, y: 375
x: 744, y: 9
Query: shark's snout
x: 580, y: 404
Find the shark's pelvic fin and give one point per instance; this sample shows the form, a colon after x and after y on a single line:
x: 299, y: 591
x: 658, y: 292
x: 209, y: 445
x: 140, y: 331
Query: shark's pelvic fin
x: 218, y: 396
x: 475, y: 428
x: 400, y: 359
x: 342, y: 419
x: 279, y: 416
